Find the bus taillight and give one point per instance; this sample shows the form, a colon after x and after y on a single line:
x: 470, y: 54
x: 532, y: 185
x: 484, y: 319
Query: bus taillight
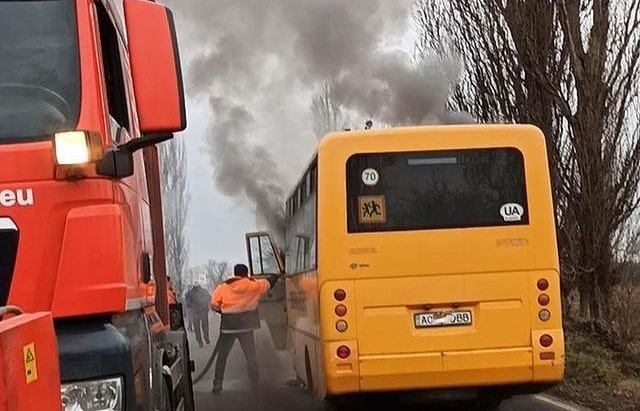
x: 544, y: 315
x: 546, y: 356
x: 341, y: 310
x: 343, y: 352
x: 543, y: 299
x: 342, y: 326
x: 340, y: 294
x: 546, y: 340
x: 543, y: 284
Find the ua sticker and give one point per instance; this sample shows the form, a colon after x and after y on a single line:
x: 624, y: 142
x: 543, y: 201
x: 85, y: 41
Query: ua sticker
x: 511, y: 212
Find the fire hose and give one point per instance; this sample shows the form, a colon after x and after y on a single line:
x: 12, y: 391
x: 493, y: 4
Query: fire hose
x: 10, y: 309
x: 209, y: 363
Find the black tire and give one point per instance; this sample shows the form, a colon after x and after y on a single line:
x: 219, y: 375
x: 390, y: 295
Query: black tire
x: 486, y: 404
x: 337, y: 404
x: 354, y: 402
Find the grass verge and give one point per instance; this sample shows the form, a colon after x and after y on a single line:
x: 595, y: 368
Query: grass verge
x: 598, y: 374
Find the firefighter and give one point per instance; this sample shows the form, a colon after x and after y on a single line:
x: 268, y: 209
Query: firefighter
x: 237, y: 301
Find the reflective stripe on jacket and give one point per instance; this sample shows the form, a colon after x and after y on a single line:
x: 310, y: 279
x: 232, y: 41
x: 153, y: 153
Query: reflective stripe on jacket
x: 237, y: 299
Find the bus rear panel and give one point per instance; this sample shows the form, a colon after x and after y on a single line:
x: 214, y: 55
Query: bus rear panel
x: 440, y: 246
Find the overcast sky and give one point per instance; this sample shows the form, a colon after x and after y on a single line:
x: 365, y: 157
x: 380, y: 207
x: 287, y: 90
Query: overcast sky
x: 251, y: 68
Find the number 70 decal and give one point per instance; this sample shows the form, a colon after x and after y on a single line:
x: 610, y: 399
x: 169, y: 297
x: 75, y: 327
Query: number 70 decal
x: 370, y: 176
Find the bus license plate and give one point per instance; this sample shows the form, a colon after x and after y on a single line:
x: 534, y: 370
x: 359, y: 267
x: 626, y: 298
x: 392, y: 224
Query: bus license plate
x: 442, y: 319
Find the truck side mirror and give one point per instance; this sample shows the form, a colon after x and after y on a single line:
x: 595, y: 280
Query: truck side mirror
x: 155, y: 67
x: 116, y: 164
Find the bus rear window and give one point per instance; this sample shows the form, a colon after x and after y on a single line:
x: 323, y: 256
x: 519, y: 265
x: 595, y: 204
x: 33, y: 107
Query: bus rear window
x: 436, y: 190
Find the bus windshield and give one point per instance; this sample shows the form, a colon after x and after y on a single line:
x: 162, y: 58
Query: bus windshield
x: 39, y: 69
x: 436, y: 190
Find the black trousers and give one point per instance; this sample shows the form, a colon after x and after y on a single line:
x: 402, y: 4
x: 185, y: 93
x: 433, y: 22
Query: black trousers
x: 189, y: 319
x: 201, y: 325
x: 248, y: 345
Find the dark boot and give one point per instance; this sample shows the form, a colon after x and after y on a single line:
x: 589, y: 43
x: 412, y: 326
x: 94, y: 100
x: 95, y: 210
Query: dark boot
x: 255, y: 386
x: 217, y: 387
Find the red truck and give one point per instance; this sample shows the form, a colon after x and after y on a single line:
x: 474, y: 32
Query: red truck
x: 29, y: 371
x: 88, y: 88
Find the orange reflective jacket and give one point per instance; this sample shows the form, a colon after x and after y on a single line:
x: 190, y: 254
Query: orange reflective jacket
x: 238, y: 295
x: 237, y: 300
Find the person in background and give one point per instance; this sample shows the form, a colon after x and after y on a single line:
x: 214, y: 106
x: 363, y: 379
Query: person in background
x: 237, y: 301
x: 171, y: 295
x: 189, y: 310
x: 198, y: 300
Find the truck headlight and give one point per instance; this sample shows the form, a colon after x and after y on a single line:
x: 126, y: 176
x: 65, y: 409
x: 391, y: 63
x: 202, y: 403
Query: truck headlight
x: 72, y: 147
x: 93, y: 395
x: 77, y: 147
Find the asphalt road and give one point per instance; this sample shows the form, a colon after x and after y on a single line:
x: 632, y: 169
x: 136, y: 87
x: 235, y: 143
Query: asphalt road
x: 278, y: 395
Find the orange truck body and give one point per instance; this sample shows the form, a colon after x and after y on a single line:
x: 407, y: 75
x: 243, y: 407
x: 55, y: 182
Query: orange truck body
x: 97, y: 84
x: 29, y: 372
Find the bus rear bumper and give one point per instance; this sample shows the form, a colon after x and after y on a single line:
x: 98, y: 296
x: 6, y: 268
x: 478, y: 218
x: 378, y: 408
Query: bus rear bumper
x: 449, y: 370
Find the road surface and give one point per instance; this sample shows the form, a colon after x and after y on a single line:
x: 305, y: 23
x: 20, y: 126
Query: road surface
x: 277, y: 395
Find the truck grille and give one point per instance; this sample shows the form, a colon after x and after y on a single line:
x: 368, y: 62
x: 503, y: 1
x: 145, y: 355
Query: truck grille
x: 8, y: 252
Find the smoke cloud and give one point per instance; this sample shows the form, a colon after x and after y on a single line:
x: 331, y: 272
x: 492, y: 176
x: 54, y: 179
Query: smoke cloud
x: 234, y: 169
x: 259, y: 63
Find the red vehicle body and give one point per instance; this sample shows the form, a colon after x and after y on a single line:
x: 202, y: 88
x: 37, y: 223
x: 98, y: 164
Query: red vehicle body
x: 88, y: 88
x: 29, y: 373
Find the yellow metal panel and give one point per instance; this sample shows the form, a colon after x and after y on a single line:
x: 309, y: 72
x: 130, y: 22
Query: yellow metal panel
x: 30, y: 365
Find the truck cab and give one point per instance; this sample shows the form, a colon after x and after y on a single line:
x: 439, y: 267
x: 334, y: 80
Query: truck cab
x: 88, y: 89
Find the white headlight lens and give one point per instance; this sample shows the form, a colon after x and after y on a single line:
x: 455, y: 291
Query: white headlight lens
x: 96, y: 395
x: 72, y: 147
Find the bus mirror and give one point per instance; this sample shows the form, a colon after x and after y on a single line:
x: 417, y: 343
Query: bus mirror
x: 155, y: 67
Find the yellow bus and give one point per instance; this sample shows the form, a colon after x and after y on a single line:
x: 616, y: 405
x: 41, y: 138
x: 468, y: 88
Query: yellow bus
x: 420, y: 259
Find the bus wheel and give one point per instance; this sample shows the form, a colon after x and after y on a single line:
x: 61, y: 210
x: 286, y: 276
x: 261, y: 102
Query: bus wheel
x: 486, y: 404
x: 338, y: 404
x: 359, y: 402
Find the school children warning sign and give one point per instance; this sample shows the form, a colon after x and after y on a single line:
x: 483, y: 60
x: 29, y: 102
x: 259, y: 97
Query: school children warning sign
x: 372, y: 210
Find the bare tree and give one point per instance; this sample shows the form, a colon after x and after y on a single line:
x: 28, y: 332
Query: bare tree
x: 221, y: 271
x: 570, y: 67
x: 327, y: 112
x: 176, y: 198
x: 216, y: 272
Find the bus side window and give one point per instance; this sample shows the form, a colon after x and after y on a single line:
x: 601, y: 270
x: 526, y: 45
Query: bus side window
x: 263, y: 257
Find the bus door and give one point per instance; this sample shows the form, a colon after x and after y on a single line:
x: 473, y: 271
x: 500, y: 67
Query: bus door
x: 266, y: 259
